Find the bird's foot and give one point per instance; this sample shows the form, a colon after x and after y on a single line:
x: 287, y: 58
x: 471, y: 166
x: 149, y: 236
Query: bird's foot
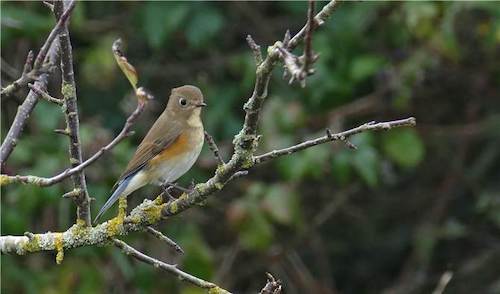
x: 167, y: 189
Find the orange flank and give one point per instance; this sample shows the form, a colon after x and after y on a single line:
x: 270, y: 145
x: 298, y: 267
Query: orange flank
x: 179, y: 146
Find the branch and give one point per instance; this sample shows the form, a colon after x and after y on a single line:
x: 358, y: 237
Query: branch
x: 47, y: 54
x: 165, y: 239
x: 213, y: 147
x: 183, y: 276
x: 45, y: 95
x: 70, y: 108
x: 372, y: 126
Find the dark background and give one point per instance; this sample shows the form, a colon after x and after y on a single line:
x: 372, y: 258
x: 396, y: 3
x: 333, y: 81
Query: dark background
x: 393, y: 216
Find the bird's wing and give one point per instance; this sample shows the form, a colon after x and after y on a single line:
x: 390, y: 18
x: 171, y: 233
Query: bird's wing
x: 162, y: 134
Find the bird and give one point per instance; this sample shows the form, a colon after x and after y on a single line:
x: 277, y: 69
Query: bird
x: 169, y: 149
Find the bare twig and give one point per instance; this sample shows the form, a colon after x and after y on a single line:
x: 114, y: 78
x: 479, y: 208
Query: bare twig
x: 308, y: 56
x: 165, y: 239
x: 31, y: 73
x: 298, y: 68
x: 42, y: 182
x: 68, y: 90
x: 408, y: 122
x: 257, y: 54
x: 213, y: 147
x: 183, y: 276
x: 45, y: 95
x: 272, y: 286
x: 320, y: 18
x: 47, y: 53
x: 443, y: 282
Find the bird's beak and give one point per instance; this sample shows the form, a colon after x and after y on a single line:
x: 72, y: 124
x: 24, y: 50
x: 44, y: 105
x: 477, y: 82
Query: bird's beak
x: 202, y: 104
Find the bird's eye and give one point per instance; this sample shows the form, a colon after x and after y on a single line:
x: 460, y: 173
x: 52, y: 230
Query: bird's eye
x: 183, y: 102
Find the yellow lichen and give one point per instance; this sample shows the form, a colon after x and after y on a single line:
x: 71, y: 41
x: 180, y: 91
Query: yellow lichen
x: 4, y: 180
x: 32, y: 245
x: 172, y: 207
x: 58, y: 244
x: 219, y: 185
x: 158, y: 200
x: 153, y: 213
x: 67, y: 90
x: 116, y: 223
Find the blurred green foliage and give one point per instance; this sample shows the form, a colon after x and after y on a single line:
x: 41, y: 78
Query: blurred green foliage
x: 394, y: 214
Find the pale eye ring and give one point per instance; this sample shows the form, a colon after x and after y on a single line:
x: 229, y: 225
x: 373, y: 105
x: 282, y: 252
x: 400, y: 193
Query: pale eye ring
x: 183, y: 102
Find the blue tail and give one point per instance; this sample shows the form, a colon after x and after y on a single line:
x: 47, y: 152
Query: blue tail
x: 116, y: 194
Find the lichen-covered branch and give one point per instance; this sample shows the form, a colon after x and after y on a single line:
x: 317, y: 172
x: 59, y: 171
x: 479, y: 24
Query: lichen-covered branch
x: 183, y: 276
x: 47, y: 54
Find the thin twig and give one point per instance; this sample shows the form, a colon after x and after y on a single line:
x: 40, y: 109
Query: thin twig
x: 257, y: 54
x: 45, y: 95
x: 183, y: 276
x: 408, y: 122
x: 47, y: 53
x: 213, y: 147
x: 443, y: 282
x: 272, y: 286
x: 308, y: 56
x: 34, y: 71
x: 165, y: 239
x: 42, y: 182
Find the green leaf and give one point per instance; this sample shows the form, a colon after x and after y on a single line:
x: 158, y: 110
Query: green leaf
x: 404, y: 146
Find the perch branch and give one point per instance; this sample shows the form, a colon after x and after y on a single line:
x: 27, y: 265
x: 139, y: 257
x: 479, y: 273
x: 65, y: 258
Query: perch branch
x: 183, y: 276
x: 47, y: 54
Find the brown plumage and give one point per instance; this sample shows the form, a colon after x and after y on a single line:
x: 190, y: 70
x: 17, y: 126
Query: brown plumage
x: 169, y: 148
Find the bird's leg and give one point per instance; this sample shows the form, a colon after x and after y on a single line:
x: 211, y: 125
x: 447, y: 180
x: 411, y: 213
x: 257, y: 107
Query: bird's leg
x: 180, y: 188
x: 166, y: 189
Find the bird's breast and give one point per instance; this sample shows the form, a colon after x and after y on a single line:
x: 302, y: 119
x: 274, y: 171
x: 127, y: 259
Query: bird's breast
x: 178, y: 158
